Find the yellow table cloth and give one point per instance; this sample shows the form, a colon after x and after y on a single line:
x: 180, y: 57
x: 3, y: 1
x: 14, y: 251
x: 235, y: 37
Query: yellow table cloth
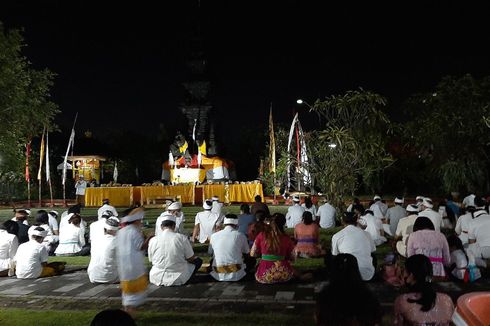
x: 118, y: 196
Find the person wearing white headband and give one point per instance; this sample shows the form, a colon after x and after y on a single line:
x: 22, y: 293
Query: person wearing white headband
x: 173, y: 260
x: 228, y: 247
x: 479, y: 233
x: 217, y: 206
x: 97, y: 228
x: 106, y: 207
x: 175, y: 209
x: 294, y: 215
x: 53, y: 222
x: 31, y: 259
x: 205, y: 223
x: 427, y: 211
x: 379, y: 208
x: 404, y: 228
x: 103, y: 264
x: 131, y: 244
x: 393, y: 215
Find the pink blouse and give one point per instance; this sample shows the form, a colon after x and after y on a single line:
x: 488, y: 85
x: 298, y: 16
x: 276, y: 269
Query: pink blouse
x: 432, y: 244
x: 407, y: 313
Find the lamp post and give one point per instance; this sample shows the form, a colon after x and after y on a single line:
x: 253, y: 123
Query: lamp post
x: 301, y: 102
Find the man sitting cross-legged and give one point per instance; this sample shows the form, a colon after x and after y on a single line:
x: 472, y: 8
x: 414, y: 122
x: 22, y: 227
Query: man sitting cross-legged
x: 103, y: 264
x: 173, y: 260
x: 31, y: 260
x: 229, y: 246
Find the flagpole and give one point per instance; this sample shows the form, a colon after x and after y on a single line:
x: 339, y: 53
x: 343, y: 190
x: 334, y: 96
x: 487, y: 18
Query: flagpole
x: 48, y: 172
x: 28, y: 177
x: 39, y: 174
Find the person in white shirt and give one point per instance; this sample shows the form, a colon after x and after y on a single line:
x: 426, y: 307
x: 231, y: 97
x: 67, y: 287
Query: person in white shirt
x: 217, y: 206
x: 228, y: 247
x: 72, y: 238
x: 8, y: 245
x: 379, y: 208
x: 463, y: 224
x: 24, y: 214
x: 294, y: 215
x: 326, y: 216
x: 31, y: 259
x: 175, y: 209
x: 103, y: 265
x: 80, y: 187
x: 469, y: 201
x: 310, y: 207
x: 97, y: 228
x: 404, y: 228
x: 427, y: 211
x: 205, y: 223
x: 418, y: 201
x: 50, y: 240
x: 479, y: 233
x: 394, y: 214
x: 53, y: 222
x: 352, y: 240
x: 106, y: 207
x: 173, y: 260
x: 374, y: 227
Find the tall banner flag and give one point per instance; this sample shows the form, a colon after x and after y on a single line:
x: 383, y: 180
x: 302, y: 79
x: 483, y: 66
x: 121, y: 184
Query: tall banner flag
x: 48, y: 174
x: 302, y: 157
x: 41, y: 156
x: 115, y: 174
x: 28, y: 151
x: 272, y: 145
x: 194, y: 130
x: 65, y: 161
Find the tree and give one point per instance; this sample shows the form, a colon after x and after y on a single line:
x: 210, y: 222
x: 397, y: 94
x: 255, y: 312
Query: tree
x: 448, y: 132
x: 351, y: 147
x: 25, y: 108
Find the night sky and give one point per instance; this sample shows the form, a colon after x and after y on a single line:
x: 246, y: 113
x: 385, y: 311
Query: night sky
x: 121, y: 65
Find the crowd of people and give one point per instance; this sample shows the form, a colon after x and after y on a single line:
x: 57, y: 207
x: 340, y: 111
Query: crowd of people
x: 254, y: 244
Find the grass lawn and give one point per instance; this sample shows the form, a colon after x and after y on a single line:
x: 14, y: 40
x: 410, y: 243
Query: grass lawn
x: 24, y: 317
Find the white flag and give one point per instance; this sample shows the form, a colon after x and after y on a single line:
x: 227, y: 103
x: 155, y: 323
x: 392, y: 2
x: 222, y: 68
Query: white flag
x: 48, y: 175
x: 170, y: 159
x: 194, y: 130
x: 115, y: 174
x: 70, y: 144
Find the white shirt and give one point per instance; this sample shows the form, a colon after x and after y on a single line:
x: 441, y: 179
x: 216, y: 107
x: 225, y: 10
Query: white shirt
x: 64, y: 222
x: 326, y: 213
x: 229, y: 245
x: 104, y: 208
x: 53, y: 223
x: 179, y: 224
x: 217, y: 206
x: 103, y: 265
x: 80, y: 187
x: 130, y: 259
x: 434, y: 216
x: 462, y: 227
x: 479, y: 229
x: 29, y: 258
x: 374, y: 227
x: 8, y: 247
x: 458, y: 257
x: 24, y: 222
x: 469, y: 200
x: 312, y: 210
x: 168, y: 253
x: 352, y: 240
x: 97, y: 231
x: 72, y: 239
x: 379, y: 209
x: 206, y: 220
x: 294, y: 215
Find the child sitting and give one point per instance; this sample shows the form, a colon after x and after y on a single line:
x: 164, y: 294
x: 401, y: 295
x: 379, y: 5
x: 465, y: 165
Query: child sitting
x: 460, y: 268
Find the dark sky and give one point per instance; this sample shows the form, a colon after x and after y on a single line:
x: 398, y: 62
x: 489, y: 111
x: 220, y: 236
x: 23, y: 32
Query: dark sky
x: 122, y: 64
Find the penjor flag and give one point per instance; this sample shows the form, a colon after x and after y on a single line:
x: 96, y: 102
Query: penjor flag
x: 48, y: 175
x: 28, y: 150
x: 41, y: 157
x: 65, y: 163
x: 272, y: 145
x: 115, y: 173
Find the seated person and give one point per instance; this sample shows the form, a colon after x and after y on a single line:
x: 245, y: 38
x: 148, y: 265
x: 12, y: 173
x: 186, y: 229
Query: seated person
x: 346, y: 300
x: 103, y: 266
x: 374, y: 227
x: 425, y: 240
x: 353, y: 240
x: 459, y: 260
x: 422, y: 305
x: 205, y: 223
x: 479, y: 233
x: 307, y: 235
x: 72, y: 238
x: 171, y: 255
x: 228, y: 247
x: 404, y: 228
x: 276, y: 250
x: 21, y: 219
x: 255, y: 228
x: 245, y: 219
x: 31, y: 259
x: 51, y: 240
x: 8, y: 245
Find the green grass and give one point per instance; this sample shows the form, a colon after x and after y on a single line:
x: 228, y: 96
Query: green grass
x: 25, y: 317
